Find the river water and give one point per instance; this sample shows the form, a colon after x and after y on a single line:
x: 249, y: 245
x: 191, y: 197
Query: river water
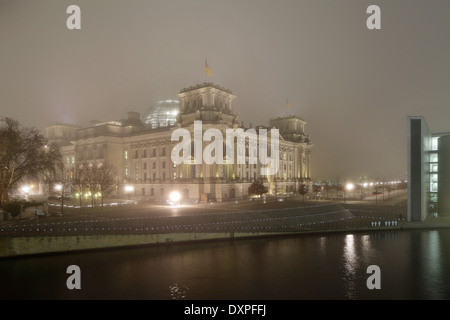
x: 414, y: 264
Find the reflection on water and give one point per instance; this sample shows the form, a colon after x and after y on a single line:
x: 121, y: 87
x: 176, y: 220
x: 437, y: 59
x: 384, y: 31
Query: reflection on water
x: 432, y: 265
x: 350, y: 265
x: 178, y: 291
x: 414, y: 265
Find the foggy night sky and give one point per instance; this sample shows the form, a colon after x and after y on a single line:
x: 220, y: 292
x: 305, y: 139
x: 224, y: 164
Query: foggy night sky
x: 354, y: 87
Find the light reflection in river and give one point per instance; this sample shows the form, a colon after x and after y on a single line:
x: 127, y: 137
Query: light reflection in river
x: 414, y: 265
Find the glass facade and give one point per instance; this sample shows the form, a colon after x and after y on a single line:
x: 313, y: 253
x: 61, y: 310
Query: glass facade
x: 164, y: 113
x: 433, y: 172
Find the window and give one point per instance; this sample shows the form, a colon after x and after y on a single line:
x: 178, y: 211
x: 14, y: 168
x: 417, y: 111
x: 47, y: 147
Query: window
x: 136, y: 154
x: 145, y: 165
x: 434, y: 143
x: 164, y: 176
x: 164, y: 165
x: 145, y: 153
x: 145, y: 176
x: 67, y: 160
x: 73, y: 160
x: 152, y: 192
x: 153, y: 152
x: 126, y: 171
x: 433, y: 157
x: 125, y: 155
x: 284, y: 156
x: 100, y: 153
x: 163, y: 152
x: 136, y: 176
x: 174, y: 175
x: 154, y: 165
x: 136, y: 166
x: 154, y: 176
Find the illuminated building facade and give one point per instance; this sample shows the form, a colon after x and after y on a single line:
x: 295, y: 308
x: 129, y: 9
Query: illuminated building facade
x: 140, y: 148
x: 428, y: 171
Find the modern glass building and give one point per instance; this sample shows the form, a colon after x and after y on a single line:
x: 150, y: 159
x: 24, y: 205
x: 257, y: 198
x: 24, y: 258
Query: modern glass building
x: 162, y: 114
x: 428, y: 171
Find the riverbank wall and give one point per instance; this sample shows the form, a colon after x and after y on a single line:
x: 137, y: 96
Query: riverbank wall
x: 25, y: 246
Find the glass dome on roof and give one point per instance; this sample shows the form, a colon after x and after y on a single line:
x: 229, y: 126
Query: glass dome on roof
x: 162, y: 114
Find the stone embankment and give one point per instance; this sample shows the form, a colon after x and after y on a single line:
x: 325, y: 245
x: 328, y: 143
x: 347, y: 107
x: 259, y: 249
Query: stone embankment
x: 87, y: 234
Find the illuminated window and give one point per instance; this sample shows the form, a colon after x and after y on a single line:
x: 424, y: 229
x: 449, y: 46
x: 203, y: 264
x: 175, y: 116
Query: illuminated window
x: 136, y: 167
x: 125, y: 155
x: 433, y: 157
x: 433, y: 197
x: 434, y: 177
x: 433, y: 187
x: 434, y: 143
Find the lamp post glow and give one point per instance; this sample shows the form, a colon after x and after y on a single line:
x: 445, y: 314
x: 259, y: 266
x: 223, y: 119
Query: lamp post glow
x: 349, y: 187
x: 128, y: 190
x: 175, y: 196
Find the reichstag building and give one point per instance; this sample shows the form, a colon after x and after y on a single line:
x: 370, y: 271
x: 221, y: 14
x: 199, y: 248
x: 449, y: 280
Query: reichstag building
x: 140, y: 146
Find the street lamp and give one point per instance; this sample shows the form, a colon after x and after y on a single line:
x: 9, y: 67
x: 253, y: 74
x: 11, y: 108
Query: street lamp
x: 175, y: 197
x: 349, y: 186
x: 128, y: 190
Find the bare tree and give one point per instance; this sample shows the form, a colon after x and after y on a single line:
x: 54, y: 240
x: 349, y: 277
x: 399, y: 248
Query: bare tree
x: 106, y: 178
x: 96, y: 180
x: 79, y: 184
x: 60, y: 184
x: 24, y: 153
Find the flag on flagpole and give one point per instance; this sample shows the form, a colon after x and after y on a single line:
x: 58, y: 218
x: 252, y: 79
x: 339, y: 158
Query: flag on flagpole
x: 288, y: 105
x: 207, y: 69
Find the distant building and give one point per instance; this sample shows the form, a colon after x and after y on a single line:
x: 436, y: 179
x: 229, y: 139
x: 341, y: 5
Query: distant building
x: 428, y: 171
x: 140, y: 148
